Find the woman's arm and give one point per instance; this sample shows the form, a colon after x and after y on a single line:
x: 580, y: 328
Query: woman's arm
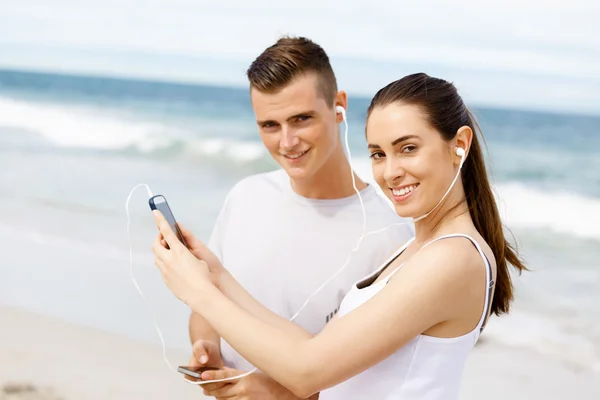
x: 239, y: 296
x: 430, y: 290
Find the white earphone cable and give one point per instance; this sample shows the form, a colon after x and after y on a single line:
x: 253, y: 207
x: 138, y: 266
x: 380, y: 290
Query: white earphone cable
x: 162, y: 340
x: 462, y: 155
x: 362, y: 205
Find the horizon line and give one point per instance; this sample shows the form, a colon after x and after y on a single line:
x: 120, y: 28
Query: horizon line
x: 172, y: 80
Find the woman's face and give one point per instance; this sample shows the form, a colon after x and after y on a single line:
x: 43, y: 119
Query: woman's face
x: 412, y: 164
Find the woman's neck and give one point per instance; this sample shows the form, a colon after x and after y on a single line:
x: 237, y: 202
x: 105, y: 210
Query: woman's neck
x: 452, y: 212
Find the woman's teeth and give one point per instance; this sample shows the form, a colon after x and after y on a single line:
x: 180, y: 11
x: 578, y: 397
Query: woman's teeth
x: 404, y: 190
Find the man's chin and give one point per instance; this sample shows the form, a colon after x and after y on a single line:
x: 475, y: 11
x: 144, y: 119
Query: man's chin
x: 296, y: 173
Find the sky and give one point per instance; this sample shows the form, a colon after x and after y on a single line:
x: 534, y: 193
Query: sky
x: 539, y: 54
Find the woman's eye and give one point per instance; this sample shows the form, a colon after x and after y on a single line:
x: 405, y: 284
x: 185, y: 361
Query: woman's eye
x: 408, y: 149
x: 376, y: 156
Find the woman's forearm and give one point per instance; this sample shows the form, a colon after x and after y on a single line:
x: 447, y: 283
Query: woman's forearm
x: 240, y: 296
x: 264, y: 340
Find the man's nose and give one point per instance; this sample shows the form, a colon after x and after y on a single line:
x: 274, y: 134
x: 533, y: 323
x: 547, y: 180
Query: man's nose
x: 288, y: 140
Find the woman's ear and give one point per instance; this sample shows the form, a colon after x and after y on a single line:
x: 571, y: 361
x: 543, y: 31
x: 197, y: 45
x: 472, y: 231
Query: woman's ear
x: 463, y: 139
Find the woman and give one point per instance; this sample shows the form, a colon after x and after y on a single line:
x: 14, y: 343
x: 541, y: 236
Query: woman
x: 405, y: 331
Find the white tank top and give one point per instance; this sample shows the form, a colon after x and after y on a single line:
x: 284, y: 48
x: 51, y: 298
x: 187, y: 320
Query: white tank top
x: 426, y: 368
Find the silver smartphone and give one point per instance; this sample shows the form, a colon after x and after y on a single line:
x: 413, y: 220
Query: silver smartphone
x: 159, y: 203
x: 195, y: 372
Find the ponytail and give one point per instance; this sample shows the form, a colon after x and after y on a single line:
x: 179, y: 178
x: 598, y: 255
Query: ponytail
x: 485, y: 216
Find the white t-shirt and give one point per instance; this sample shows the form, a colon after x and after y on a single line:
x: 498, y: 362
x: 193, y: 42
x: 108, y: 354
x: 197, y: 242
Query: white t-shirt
x: 281, y: 247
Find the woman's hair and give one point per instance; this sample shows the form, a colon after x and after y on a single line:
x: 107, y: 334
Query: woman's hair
x: 446, y: 112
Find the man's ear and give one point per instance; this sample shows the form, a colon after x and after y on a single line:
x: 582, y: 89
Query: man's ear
x: 341, y: 99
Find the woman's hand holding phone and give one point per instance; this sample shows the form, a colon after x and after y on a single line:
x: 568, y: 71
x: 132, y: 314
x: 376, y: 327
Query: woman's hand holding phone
x: 159, y: 204
x: 183, y: 273
x: 201, y: 252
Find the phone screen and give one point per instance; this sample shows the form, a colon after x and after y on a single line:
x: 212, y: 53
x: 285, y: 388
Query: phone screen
x: 160, y: 203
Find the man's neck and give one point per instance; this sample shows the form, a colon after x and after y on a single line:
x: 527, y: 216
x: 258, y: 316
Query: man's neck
x: 332, y: 181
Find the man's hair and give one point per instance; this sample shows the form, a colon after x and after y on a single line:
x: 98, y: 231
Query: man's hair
x: 288, y: 58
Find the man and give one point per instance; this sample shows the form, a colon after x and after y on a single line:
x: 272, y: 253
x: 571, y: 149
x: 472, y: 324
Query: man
x: 283, y: 233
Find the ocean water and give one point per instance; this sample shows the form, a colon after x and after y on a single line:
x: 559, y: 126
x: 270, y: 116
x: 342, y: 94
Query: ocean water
x: 73, y: 147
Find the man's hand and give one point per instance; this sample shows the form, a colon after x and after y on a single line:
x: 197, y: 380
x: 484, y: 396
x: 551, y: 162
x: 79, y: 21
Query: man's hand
x: 206, y: 353
x: 251, y: 387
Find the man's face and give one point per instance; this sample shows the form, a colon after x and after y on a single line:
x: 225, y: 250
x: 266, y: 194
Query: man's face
x: 297, y: 126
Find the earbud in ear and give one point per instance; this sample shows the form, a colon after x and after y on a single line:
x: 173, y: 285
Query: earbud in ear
x: 460, y: 152
x: 341, y: 110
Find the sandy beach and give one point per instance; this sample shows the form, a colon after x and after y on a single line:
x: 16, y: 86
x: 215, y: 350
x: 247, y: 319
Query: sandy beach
x: 45, y: 358
x: 69, y: 362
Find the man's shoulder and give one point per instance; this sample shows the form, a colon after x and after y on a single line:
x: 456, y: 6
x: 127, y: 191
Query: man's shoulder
x: 252, y: 184
x: 383, y: 215
x: 379, y: 206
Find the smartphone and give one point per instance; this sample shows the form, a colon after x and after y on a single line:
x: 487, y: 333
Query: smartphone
x: 195, y: 372
x: 159, y: 203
